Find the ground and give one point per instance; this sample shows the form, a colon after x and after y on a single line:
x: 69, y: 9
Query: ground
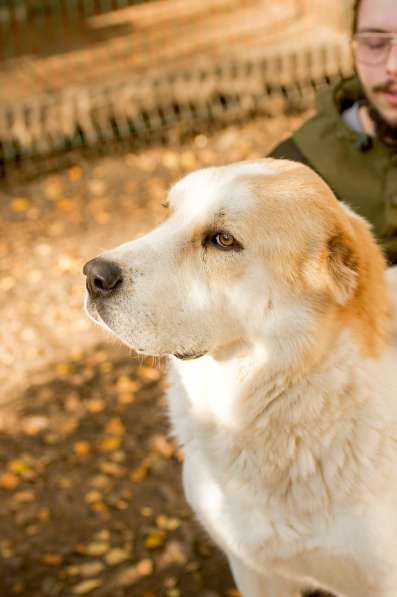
x: 90, y: 493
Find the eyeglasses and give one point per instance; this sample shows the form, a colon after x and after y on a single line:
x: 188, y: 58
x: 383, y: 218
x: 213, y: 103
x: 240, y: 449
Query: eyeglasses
x: 373, y: 48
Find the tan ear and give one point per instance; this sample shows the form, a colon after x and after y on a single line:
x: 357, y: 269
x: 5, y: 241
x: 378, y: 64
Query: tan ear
x: 342, y: 267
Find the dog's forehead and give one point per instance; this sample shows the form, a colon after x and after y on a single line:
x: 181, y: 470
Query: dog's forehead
x: 201, y: 191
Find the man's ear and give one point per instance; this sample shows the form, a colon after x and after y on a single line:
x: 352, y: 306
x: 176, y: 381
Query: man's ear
x: 342, y: 267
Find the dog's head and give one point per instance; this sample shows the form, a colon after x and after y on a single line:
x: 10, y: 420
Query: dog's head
x: 254, y: 251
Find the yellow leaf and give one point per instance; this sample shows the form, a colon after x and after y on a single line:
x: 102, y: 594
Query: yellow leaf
x: 98, y: 507
x: 18, y: 466
x: 63, y: 369
x: 154, y: 540
x: 110, y: 443
x: 19, y: 204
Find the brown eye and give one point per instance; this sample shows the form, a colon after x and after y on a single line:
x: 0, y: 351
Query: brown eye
x: 224, y: 240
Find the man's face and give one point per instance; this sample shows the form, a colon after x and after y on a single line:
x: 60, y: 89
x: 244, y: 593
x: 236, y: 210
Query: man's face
x: 380, y: 80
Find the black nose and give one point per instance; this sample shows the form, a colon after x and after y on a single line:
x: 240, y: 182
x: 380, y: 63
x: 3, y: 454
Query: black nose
x: 103, y: 277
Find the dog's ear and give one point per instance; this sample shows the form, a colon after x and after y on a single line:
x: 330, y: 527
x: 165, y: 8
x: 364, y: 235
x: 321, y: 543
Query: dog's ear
x: 342, y: 264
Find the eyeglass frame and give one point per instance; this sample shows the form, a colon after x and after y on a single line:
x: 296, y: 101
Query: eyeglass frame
x: 391, y: 37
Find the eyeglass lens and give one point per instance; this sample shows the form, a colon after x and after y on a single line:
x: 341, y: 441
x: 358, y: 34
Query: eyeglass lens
x: 374, y: 49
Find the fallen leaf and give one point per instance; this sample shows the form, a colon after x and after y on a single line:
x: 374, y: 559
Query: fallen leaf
x: 188, y: 160
x: 8, y: 481
x: 90, y: 568
x: 154, y: 540
x: 102, y: 535
x: 18, y: 466
x: 6, y: 551
x: 100, y: 482
x: 68, y: 426
x: 24, y: 497
x: 125, y: 384
x: 63, y: 369
x: 81, y: 448
x: 115, y: 427
x: 113, y: 469
x: 19, y: 204
x: 110, y: 443
x: 125, y: 398
x: 93, y: 496
x: 96, y: 186
x: 52, y: 559
x: 75, y: 173
x: 66, y: 204
x: 67, y: 264
x: 141, y: 472
x: 173, y: 554
x: 162, y: 445
x: 116, y: 556
x: 134, y: 573
x: 53, y: 189
x: 146, y: 511
x: 166, y: 523
x: 96, y: 405
x: 148, y: 373
x: 97, y: 549
x: 34, y: 424
x: 86, y: 586
x: 43, y: 514
x: 174, y: 592
x: 98, y: 507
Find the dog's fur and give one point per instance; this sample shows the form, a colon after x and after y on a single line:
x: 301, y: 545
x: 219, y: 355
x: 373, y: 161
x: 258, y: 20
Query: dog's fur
x: 288, y: 415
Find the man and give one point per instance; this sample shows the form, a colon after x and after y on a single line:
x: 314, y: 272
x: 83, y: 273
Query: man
x: 352, y: 141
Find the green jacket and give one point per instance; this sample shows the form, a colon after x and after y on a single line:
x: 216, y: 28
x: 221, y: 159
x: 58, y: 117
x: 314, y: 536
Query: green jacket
x: 361, y: 171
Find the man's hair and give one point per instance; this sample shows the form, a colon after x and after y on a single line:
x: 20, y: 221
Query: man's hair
x: 356, y: 7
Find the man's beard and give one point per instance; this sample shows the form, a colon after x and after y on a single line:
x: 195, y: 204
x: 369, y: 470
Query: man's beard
x: 385, y: 132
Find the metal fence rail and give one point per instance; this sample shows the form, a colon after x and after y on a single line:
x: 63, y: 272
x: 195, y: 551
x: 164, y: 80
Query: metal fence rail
x: 168, y: 62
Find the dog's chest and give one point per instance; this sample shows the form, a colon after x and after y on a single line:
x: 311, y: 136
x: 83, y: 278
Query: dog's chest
x: 224, y: 481
x: 227, y: 509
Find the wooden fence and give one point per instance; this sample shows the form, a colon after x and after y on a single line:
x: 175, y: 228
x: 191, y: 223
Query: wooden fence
x: 86, y: 72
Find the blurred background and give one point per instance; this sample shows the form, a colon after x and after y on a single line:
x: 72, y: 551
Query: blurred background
x: 103, y: 105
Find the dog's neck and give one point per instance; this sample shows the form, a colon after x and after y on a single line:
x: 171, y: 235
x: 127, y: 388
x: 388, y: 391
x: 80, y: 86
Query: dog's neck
x: 285, y: 421
x: 243, y: 384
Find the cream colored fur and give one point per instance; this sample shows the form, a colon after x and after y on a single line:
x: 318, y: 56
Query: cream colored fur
x: 288, y: 420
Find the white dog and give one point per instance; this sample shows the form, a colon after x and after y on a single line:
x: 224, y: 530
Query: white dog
x: 271, y: 298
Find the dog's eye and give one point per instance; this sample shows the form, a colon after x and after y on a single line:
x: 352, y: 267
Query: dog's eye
x: 224, y: 241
